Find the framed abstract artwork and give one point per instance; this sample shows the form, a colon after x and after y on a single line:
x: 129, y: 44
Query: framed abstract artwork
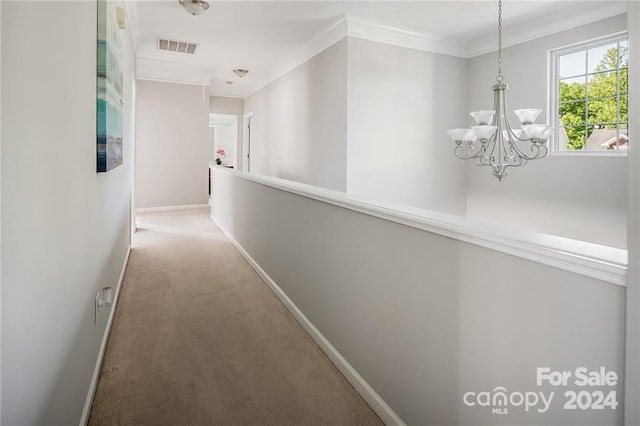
x: 109, y: 106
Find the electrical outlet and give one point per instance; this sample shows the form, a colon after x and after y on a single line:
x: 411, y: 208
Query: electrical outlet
x: 104, y: 299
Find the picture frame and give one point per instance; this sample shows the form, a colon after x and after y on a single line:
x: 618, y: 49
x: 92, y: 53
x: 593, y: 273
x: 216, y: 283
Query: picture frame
x: 109, y: 104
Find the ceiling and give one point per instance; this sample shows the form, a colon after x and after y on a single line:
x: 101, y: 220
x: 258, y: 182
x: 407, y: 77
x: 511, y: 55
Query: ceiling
x: 270, y: 37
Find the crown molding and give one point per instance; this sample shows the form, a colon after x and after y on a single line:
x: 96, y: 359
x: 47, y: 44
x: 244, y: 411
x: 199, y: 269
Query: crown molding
x: 173, y: 72
x: 353, y: 26
x: 223, y: 95
x: 330, y: 35
x: 358, y: 27
x: 537, y: 29
x: 381, y: 33
x: 132, y: 17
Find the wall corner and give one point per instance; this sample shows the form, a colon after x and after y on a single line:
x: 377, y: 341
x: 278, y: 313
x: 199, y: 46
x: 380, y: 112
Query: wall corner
x: 632, y: 363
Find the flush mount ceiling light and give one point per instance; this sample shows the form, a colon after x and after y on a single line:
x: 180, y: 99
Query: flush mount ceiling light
x: 194, y: 7
x: 493, y: 142
x: 241, y: 72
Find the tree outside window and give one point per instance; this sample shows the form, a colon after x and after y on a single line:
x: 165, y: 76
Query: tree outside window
x: 591, y: 97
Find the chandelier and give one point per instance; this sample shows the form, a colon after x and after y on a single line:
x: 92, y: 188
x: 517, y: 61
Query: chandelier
x: 493, y: 142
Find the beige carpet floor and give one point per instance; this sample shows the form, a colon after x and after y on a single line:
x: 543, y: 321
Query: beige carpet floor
x: 199, y: 339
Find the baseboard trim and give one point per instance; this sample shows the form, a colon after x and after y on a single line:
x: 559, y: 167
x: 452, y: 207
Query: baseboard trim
x: 103, y: 346
x: 377, y: 404
x: 171, y: 208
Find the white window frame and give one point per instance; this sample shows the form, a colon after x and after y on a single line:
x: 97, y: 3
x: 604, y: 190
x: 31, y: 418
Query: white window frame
x: 553, y: 94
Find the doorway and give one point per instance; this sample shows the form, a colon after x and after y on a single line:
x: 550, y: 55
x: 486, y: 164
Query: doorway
x: 223, y: 139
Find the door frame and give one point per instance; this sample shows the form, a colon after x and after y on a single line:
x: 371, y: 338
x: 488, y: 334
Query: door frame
x: 246, y: 142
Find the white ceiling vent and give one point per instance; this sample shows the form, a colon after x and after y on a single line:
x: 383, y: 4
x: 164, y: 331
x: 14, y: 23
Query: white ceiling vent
x: 177, y: 46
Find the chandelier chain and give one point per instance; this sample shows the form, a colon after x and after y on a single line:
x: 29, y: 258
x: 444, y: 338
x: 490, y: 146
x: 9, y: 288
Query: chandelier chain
x: 499, y: 78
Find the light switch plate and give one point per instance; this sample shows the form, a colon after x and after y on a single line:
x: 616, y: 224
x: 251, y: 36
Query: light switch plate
x: 95, y: 308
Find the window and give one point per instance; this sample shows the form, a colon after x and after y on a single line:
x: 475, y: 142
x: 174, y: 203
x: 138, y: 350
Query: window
x: 589, y: 97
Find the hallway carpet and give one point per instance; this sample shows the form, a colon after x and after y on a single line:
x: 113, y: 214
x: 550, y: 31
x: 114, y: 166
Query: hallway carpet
x: 199, y: 339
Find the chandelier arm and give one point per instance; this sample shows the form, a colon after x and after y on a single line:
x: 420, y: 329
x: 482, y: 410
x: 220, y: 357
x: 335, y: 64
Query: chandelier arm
x: 490, y: 150
x: 502, y: 124
x: 459, y: 151
x: 477, y: 161
x: 537, y: 150
x: 493, y: 142
x: 478, y: 157
x: 515, y: 146
x: 482, y: 161
x: 482, y: 150
x: 501, y: 94
x: 534, y: 148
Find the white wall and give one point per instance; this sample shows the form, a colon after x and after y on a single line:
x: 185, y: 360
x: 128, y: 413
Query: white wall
x: 400, y: 104
x: 0, y: 214
x: 300, y: 121
x: 65, y: 227
x: 172, y: 140
x: 424, y: 318
x: 582, y: 198
x: 225, y: 105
